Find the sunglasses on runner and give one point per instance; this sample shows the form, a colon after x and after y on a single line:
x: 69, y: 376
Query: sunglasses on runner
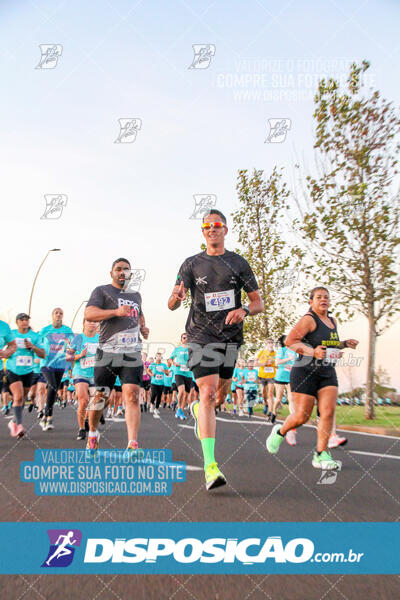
x: 215, y: 225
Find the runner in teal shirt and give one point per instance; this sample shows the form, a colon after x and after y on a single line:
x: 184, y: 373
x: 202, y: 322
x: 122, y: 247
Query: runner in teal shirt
x: 249, y: 381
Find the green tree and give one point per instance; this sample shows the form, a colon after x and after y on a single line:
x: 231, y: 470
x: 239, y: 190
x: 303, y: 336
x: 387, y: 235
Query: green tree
x: 350, y: 225
x: 258, y: 223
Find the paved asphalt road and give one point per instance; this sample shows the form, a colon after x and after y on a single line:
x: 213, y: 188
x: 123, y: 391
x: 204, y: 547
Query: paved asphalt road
x: 260, y: 488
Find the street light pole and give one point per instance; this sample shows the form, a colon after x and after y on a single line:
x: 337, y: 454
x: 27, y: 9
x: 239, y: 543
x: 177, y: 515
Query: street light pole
x: 36, y: 276
x: 76, y: 314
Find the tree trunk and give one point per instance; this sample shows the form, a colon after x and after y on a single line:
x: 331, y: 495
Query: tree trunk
x: 369, y: 401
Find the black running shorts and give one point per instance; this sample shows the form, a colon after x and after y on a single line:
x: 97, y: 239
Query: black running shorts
x: 213, y: 359
x: 25, y: 379
x: 182, y: 380
x: 306, y: 380
x: 108, y: 365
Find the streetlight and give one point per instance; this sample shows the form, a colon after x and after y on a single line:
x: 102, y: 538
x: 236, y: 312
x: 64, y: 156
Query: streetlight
x: 76, y: 314
x: 36, y: 276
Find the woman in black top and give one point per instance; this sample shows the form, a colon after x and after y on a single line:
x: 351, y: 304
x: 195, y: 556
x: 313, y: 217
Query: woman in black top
x: 313, y: 376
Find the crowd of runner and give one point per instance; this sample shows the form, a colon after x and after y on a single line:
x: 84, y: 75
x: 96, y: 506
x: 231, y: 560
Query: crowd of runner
x: 104, y: 373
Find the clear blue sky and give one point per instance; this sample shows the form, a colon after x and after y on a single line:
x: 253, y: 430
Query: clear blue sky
x: 199, y: 126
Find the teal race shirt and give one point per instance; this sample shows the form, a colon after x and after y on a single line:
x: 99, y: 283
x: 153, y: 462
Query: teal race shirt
x: 157, y: 369
x: 250, y: 377
x: 84, y: 367
x: 21, y: 362
x: 181, y: 356
x: 283, y: 371
x: 237, y: 376
x: 54, y: 341
x: 5, y: 334
x: 168, y: 378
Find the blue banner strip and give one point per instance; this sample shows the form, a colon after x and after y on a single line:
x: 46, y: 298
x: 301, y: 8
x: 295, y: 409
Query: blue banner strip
x: 214, y: 548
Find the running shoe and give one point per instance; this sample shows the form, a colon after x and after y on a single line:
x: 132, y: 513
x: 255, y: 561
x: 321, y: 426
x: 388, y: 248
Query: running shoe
x: 156, y: 413
x: 324, y: 461
x: 7, y: 410
x: 12, y: 426
x: 274, y: 440
x: 194, y: 409
x: 40, y: 415
x: 49, y: 424
x: 214, y: 477
x: 265, y: 410
x: 86, y: 425
x: 240, y: 413
x: 20, y: 430
x: 335, y: 440
x: 132, y: 446
x: 92, y: 443
x: 30, y: 407
x: 109, y: 413
x: 42, y: 422
x: 3, y: 409
x: 273, y: 418
x: 81, y: 434
x: 151, y: 408
x: 120, y: 412
x: 290, y: 437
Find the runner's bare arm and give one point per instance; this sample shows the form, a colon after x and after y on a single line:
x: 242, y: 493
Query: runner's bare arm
x: 177, y: 296
x: 11, y: 348
x: 94, y: 313
x: 255, y: 306
x: 143, y: 329
x: 293, y: 340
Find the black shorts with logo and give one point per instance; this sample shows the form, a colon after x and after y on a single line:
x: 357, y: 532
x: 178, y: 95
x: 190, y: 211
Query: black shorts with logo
x: 308, y: 380
x: 216, y: 358
x: 109, y: 365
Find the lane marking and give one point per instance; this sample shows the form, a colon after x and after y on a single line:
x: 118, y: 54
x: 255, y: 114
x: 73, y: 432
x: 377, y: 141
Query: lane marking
x: 374, y: 454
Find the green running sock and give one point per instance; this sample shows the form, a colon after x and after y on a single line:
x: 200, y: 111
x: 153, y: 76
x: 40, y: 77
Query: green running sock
x: 208, y: 445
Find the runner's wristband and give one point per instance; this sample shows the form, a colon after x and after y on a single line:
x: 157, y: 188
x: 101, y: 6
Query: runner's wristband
x: 246, y: 310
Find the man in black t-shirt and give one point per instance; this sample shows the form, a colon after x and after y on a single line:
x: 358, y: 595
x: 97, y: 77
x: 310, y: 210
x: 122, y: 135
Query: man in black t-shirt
x: 119, y: 351
x: 214, y: 326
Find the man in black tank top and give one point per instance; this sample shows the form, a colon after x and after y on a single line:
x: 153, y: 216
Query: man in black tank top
x: 313, y: 376
x: 214, y: 327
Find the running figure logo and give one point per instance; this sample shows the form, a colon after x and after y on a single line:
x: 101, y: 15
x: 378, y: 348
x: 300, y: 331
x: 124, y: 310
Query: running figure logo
x: 62, y: 547
x: 278, y: 129
x: 203, y: 203
x: 55, y: 203
x: 50, y: 54
x: 128, y: 130
x: 134, y: 281
x: 329, y: 477
x: 203, y: 54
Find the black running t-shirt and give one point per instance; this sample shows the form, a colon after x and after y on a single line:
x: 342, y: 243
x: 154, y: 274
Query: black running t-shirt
x: 118, y: 334
x: 215, y: 284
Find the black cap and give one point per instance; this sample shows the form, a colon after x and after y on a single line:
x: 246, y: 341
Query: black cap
x: 22, y: 316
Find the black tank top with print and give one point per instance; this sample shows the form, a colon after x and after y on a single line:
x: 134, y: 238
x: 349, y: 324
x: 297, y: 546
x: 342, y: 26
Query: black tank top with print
x: 322, y: 336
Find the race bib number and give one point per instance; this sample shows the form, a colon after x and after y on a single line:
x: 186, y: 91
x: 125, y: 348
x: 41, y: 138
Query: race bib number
x: 24, y: 361
x: 332, y: 355
x: 220, y: 300
x: 183, y: 368
x: 127, y: 339
x: 91, y: 348
x: 159, y: 376
x: 288, y: 367
x: 251, y: 377
x: 21, y: 342
x: 87, y: 362
x: 269, y: 369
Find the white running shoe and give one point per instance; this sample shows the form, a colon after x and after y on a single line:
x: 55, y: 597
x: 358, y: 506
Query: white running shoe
x: 291, y: 437
x: 156, y: 414
x: 240, y: 413
x: 335, y: 440
x: 151, y: 408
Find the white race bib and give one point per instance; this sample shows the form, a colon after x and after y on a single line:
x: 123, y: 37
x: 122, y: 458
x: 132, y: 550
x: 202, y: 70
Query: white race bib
x: 21, y: 342
x: 183, y: 368
x: 127, y: 339
x: 288, y: 367
x: 332, y: 355
x: 251, y: 376
x: 24, y: 361
x: 87, y: 362
x: 269, y: 369
x: 159, y: 376
x: 220, y: 300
